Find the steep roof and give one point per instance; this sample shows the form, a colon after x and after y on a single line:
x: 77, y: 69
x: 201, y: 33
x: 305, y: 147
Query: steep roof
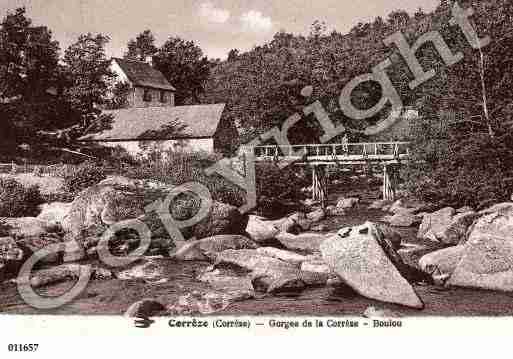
x: 142, y: 74
x: 161, y: 123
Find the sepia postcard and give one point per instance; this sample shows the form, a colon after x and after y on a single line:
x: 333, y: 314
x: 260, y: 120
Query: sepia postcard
x: 207, y: 168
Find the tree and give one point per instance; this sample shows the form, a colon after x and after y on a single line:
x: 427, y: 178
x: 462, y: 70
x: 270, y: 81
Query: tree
x: 88, y: 78
x: 142, y: 47
x: 28, y: 69
x: 183, y: 64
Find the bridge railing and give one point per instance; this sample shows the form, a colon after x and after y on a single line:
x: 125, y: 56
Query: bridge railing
x: 336, y: 151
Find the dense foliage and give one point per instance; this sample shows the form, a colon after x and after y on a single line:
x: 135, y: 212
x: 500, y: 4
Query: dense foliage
x: 17, y: 200
x: 83, y: 176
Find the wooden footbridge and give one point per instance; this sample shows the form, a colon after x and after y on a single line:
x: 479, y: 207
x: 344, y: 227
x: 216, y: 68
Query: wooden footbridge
x: 390, y: 155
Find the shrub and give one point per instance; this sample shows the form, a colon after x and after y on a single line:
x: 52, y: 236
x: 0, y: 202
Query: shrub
x: 473, y: 169
x: 83, y: 176
x: 276, y: 187
x: 18, y: 201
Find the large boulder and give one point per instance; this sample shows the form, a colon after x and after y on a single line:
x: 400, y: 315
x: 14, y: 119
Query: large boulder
x: 359, y: 260
x: 207, y: 248
x: 446, y: 226
x: 204, y: 303
x: 487, y: 261
x: 456, y: 231
x: 268, y: 274
x: 306, y: 243
x: 433, y: 225
x: 100, y: 206
x: 286, y: 225
x: 260, y: 230
x: 54, y: 212
x: 442, y: 263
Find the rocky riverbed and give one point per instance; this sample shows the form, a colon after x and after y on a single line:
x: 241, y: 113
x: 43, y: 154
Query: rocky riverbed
x: 168, y: 280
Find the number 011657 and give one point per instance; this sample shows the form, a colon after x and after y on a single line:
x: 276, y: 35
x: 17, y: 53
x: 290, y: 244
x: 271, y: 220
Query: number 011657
x: 22, y: 347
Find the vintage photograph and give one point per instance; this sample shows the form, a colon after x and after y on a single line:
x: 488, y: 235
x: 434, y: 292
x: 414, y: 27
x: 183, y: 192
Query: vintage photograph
x: 191, y: 158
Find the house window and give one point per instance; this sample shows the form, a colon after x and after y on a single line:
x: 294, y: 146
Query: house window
x: 147, y: 95
x: 163, y: 97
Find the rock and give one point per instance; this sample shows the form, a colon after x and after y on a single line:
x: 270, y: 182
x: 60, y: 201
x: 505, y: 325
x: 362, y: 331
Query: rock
x: 306, y: 242
x: 336, y: 211
x: 66, y: 272
x: 441, y: 264
x: 380, y: 203
x: 487, y: 260
x: 465, y: 209
x: 316, y: 216
x: 456, y: 231
x: 122, y: 182
x: 27, y: 227
x: 147, y: 269
x: 145, y: 308
x: 347, y: 203
x: 315, y: 272
x: 228, y: 281
x: 261, y: 231
x: 406, y: 205
x: 434, y: 224
x: 404, y: 219
x: 391, y: 234
x: 373, y: 312
x: 54, y: 212
x: 222, y: 219
x: 360, y: 261
x: 286, y: 225
x: 207, y: 248
x: 268, y: 274
x: 310, y: 202
x: 204, y: 303
x: 11, y: 258
x: 286, y: 256
x: 100, y: 206
x: 319, y: 228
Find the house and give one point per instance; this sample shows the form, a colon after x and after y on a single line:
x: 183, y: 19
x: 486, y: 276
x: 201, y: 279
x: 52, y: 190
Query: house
x: 151, y: 122
x: 179, y: 128
x: 148, y: 86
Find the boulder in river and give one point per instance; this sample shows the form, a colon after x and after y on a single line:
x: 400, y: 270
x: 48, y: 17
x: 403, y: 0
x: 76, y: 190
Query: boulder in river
x: 306, y: 242
x: 434, y: 224
x: 487, y: 260
x: 442, y: 263
x: 207, y: 248
x: 268, y: 274
x: 260, y: 230
x: 360, y: 261
x: 317, y: 215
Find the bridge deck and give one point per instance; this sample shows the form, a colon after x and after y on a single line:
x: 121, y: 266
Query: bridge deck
x: 350, y: 153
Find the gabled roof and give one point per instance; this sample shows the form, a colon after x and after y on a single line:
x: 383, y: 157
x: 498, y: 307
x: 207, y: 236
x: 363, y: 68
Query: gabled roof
x: 142, y: 74
x: 161, y: 123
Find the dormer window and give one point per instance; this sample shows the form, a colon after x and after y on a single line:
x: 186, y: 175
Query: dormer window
x: 163, y: 97
x: 147, y: 95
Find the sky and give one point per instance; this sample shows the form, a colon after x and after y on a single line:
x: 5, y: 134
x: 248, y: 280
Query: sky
x: 217, y: 26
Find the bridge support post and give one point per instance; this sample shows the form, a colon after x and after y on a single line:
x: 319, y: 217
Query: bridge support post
x: 319, y: 185
x: 389, y: 182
